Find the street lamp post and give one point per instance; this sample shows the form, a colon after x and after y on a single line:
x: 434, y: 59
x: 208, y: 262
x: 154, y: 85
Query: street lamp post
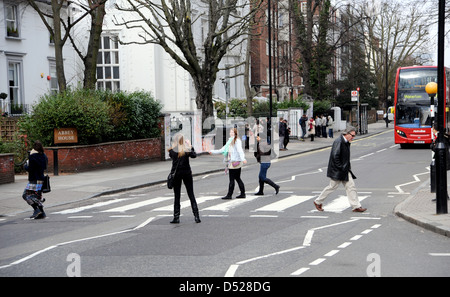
x: 441, y: 156
x: 269, y: 33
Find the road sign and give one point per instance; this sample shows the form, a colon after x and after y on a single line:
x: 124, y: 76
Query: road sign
x: 355, y: 95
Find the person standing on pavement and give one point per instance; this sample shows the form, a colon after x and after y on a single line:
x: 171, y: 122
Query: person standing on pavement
x: 263, y: 156
x: 303, y: 120
x: 312, y: 128
x: 287, y: 135
x: 339, y: 171
x: 235, y: 159
x: 330, y: 126
x: 282, y: 127
x: 318, y: 128
x: 324, y: 126
x: 180, y: 152
x: 36, y: 165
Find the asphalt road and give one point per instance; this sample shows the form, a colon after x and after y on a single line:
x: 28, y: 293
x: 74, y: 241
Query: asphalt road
x: 128, y: 234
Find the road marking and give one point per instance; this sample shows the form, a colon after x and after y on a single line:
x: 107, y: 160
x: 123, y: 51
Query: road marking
x: 338, y: 205
x: 137, y: 204
x: 334, y: 252
x: 300, y: 271
x: 399, y: 187
x: 439, y: 254
x: 227, y: 206
x: 331, y: 253
x: 186, y: 203
x: 95, y: 205
x: 145, y: 223
x: 317, y: 262
x: 284, y: 204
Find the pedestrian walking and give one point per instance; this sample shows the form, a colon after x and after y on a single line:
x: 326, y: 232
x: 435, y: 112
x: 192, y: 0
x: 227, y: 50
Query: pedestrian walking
x: 330, y: 124
x: 234, y: 158
x: 263, y: 156
x: 36, y: 165
x: 339, y: 171
x: 180, y: 152
x: 303, y: 120
x: 312, y: 128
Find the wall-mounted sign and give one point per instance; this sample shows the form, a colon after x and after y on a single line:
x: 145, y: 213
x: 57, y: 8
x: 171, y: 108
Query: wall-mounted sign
x: 65, y: 135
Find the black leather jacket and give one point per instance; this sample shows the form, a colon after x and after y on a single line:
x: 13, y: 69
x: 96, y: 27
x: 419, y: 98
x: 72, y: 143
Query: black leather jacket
x: 181, y: 165
x: 339, y: 163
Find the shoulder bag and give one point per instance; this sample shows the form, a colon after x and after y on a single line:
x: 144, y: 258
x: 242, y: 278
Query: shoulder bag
x: 171, y: 176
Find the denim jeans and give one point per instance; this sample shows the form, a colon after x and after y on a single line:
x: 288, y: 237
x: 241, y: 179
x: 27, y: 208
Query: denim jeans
x: 263, y: 171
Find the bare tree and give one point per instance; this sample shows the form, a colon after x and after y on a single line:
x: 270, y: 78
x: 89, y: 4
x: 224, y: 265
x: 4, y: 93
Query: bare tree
x: 170, y: 25
x: 394, y: 32
x: 60, y: 31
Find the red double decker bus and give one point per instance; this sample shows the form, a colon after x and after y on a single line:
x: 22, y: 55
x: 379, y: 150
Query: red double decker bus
x: 412, y: 120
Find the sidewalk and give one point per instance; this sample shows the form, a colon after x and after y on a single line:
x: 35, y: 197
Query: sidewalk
x: 68, y: 188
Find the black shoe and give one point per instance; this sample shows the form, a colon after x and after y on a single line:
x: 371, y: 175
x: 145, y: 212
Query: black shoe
x: 259, y: 194
x: 41, y: 216
x: 241, y: 196
x: 175, y: 221
x: 226, y: 197
x: 197, y: 219
x: 36, y: 213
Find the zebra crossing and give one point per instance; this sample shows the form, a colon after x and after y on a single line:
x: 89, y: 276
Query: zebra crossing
x: 209, y: 205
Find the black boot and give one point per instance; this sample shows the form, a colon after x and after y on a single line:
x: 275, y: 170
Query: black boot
x: 176, y: 216
x: 42, y: 215
x: 274, y: 185
x: 230, y: 191
x: 36, y: 212
x: 196, y: 216
x: 261, y: 188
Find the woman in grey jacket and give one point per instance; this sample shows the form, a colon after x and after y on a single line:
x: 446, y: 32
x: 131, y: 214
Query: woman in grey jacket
x: 263, y: 156
x: 234, y: 158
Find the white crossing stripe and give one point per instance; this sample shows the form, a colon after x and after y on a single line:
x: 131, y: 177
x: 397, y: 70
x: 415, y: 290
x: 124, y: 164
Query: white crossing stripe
x: 339, y: 205
x: 138, y: 204
x: 186, y: 203
x: 226, y: 206
x: 95, y: 205
x: 284, y: 204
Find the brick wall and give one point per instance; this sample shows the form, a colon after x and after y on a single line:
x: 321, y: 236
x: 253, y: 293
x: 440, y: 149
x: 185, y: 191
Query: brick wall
x: 106, y: 155
x: 6, y: 168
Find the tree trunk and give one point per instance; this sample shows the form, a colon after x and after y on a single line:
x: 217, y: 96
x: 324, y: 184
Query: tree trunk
x: 90, y: 60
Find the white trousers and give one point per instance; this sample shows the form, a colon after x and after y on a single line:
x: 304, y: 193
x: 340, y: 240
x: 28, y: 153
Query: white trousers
x: 350, y: 188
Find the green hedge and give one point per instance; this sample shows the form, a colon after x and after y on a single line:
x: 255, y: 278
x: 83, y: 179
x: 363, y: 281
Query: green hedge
x: 99, y: 116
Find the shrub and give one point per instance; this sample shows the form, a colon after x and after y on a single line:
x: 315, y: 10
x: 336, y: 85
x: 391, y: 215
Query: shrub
x: 80, y: 109
x: 98, y: 116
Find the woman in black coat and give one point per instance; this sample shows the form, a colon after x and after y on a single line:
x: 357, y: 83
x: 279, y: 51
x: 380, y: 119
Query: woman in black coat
x: 180, y: 152
x: 36, y: 165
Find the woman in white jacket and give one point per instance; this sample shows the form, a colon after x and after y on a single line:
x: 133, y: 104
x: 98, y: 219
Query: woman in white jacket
x: 234, y: 158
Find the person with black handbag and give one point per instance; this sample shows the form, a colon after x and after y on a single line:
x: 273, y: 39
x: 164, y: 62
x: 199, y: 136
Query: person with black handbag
x: 180, y: 152
x: 36, y: 165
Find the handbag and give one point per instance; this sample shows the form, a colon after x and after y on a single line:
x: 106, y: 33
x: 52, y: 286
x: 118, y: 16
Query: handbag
x: 171, y: 177
x: 46, y: 185
x: 235, y: 164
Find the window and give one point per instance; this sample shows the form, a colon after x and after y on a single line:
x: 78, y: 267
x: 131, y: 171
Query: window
x: 12, y: 24
x: 53, y: 78
x: 14, y: 82
x: 108, y: 74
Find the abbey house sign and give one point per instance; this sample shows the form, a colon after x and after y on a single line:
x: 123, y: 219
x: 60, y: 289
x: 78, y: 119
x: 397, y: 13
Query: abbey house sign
x: 65, y: 135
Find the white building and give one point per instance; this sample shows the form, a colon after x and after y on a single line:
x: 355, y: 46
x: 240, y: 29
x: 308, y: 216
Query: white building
x: 27, y: 63
x: 135, y: 67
